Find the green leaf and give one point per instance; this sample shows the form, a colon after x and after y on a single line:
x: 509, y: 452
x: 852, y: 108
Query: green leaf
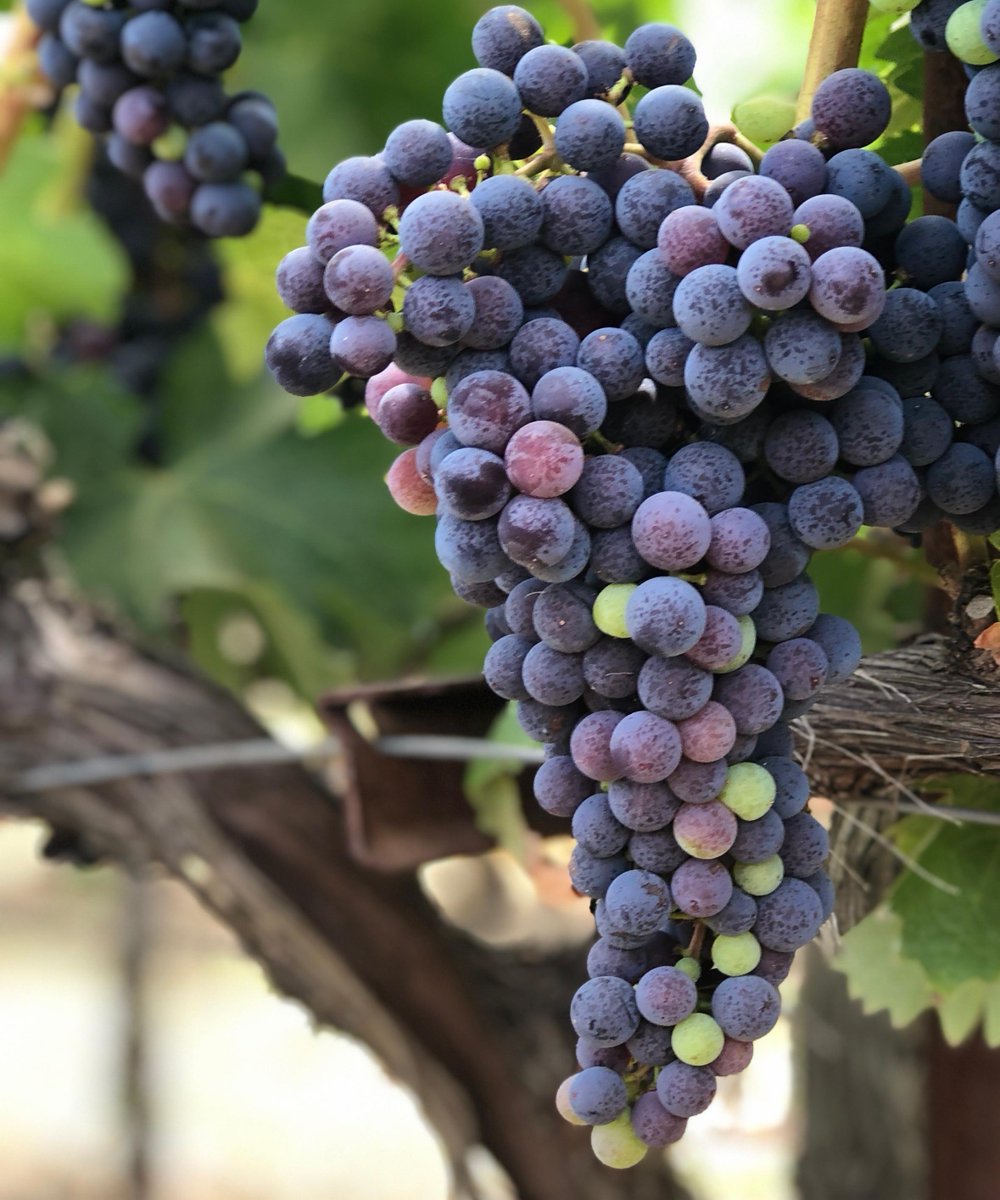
x: 878, y: 975
x: 961, y: 1011
x: 492, y: 790
x: 954, y: 937
x: 294, y: 191
x: 991, y: 1016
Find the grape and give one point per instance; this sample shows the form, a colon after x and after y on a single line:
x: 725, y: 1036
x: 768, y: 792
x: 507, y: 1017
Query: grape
x: 788, y: 610
x: 756, y: 841
x: 298, y: 355
x: 609, y: 609
x: 710, y: 307
x: 608, y: 492
x: 674, y: 689
x: 650, y: 1044
x: 848, y: 287
x: 510, y: 209
x: 359, y: 280
x: 503, y: 35
x: 943, y: 157
x: 576, y: 215
x: 754, y: 698
x: 132, y: 160
x: 366, y: 180
x: 739, y: 914
x: 749, y: 790
x: 655, y: 850
x: 597, y: 830
x: 710, y: 474
x: 861, y: 177
x: 644, y: 202
x: 482, y: 107
x: 963, y: 36
x: 90, y: 32
x: 540, y: 347
x: 614, y: 178
x: 788, y: 917
x: 961, y: 480
x: 800, y: 666
x: 590, y: 135
x: 606, y: 959
x: 153, y: 44
x: 869, y: 426
x: 469, y: 549
x: 759, y: 878
x: 735, y: 955
x: 725, y: 158
x: 659, y: 54
x: 963, y: 393
x: 605, y: 63
x: 214, y: 43
x: 408, y: 488
x: 544, y: 459
x: 256, y: 119
x: 980, y: 109
x: 666, y: 354
x: 437, y: 310
x: 650, y: 289
x: 536, y: 532
x: 689, y: 237
x: 590, y: 746
x: 57, y: 62
x: 753, y: 208
x: 169, y: 188
x: 486, y: 408
x: 470, y: 483
x: 717, y: 646
x: 596, y: 1095
x: 737, y: 594
x: 851, y: 108
x: 748, y: 643
x: 733, y: 1058
x: 46, y: 13
x: 339, y: 224
x: 536, y: 273
x: 615, y: 360
x: 670, y: 121
x: 559, y: 787
x: 799, y: 167
x: 832, y: 221
x: 417, y: 153
x: 774, y: 966
x: 611, y: 668
x: 806, y: 846
x: 551, y: 677
x: 984, y: 342
x: 502, y: 669
x: 416, y: 358
x: 299, y: 277
x: 561, y: 616
x: 685, y: 1091
x: 617, y: 1144
x: 958, y: 320
x: 740, y: 541
x: 930, y: 250
x: 645, y: 747
x: 705, y: 831
x: 825, y: 514
x: 653, y: 1125
x: 980, y: 176
x: 363, y: 346
x: 746, y: 1007
x: 697, y: 1040
x: 701, y: 889
x: 549, y: 79
x: 909, y: 327
x: 604, y: 1010
x: 726, y: 383
x: 441, y: 232
x: 140, y: 115
x: 801, y: 447
x: 607, y: 272
x: 983, y: 295
x: 671, y: 531
x: 406, y: 414
x: 665, y: 616
x: 774, y: 273
x: 890, y: 492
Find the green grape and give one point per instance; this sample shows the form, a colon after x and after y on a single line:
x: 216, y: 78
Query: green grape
x: 749, y: 790
x: 609, y: 609
x: 563, y: 1105
x: 697, y: 1040
x: 439, y: 392
x: 801, y: 234
x: 690, y: 966
x: 764, y: 119
x: 749, y: 631
x: 759, y: 879
x: 736, y: 955
x: 895, y: 7
x: 616, y: 1144
x: 963, y: 36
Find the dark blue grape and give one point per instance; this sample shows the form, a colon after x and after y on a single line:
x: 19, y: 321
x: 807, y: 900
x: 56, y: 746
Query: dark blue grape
x: 510, y: 209
x: 590, y: 135
x: 549, y: 79
x: 418, y: 153
x: 659, y: 54
x: 298, y: 355
x: 645, y: 200
x: 576, y: 215
x: 502, y: 36
x: 670, y: 122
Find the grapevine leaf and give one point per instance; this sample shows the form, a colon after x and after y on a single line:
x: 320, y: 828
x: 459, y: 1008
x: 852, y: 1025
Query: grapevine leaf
x: 294, y: 191
x: 991, y: 1017
x: 955, y: 937
x: 492, y: 790
x: 878, y: 975
x: 961, y: 1010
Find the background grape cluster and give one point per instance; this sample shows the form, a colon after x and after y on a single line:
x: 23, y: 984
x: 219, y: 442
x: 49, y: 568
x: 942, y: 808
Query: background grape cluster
x: 641, y: 373
x: 149, y: 75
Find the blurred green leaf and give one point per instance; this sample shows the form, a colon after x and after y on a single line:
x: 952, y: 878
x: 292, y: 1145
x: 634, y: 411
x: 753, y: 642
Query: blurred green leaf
x: 492, y: 790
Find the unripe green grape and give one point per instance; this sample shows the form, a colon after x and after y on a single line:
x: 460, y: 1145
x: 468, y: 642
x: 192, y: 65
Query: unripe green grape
x: 749, y: 790
x: 963, y: 36
x: 609, y: 609
x: 439, y: 392
x: 800, y: 234
x: 895, y: 7
x: 697, y: 1040
x: 764, y: 119
x: 737, y: 955
x: 759, y: 879
x: 748, y: 631
x: 563, y: 1104
x: 690, y: 966
x: 617, y: 1144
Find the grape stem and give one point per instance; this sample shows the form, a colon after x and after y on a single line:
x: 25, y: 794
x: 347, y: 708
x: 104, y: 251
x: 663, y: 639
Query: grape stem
x: 586, y: 27
x: 693, y: 950
x: 399, y: 265
x: 910, y: 171
x: 542, y: 161
x: 544, y: 132
x: 838, y: 29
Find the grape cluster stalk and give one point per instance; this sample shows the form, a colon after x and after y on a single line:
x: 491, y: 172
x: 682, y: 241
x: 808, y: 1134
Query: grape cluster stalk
x: 150, y: 82
x: 640, y: 375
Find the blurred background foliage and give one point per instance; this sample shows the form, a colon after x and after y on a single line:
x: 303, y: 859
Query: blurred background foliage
x: 258, y: 534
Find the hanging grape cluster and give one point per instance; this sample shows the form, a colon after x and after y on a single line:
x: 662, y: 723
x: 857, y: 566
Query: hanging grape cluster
x: 149, y: 75
x: 641, y: 372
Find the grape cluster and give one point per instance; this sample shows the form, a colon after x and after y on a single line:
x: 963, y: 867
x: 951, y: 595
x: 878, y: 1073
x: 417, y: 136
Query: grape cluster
x: 640, y: 375
x: 149, y: 75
